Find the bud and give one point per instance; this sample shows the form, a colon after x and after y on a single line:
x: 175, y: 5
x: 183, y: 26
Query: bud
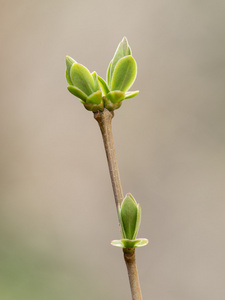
x: 130, y: 219
x: 121, y: 74
x: 96, y: 93
x: 84, y: 85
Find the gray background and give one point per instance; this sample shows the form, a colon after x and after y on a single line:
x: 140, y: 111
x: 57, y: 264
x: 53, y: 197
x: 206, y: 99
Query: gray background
x: 57, y: 214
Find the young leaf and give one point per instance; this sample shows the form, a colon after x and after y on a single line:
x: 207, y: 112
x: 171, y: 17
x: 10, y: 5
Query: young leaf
x: 82, y: 79
x: 108, y: 74
x: 69, y: 62
x: 115, y: 96
x: 123, y: 233
x: 68, y: 78
x: 122, y: 50
x: 129, y: 95
x: 94, y: 98
x: 129, y: 215
x: 103, y: 85
x: 77, y: 92
x: 141, y: 243
x: 138, y: 221
x: 117, y: 243
x: 124, y: 74
x: 95, y: 78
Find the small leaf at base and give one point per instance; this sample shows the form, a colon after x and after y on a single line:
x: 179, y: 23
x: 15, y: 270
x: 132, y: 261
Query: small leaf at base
x: 95, y: 98
x: 77, y: 92
x: 95, y: 78
x: 129, y: 95
x: 68, y: 78
x: 103, y: 85
x: 117, y: 243
x: 115, y: 96
x: 125, y: 243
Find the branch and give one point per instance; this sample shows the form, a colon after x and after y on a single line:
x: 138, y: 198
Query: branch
x: 130, y: 259
x: 104, y: 119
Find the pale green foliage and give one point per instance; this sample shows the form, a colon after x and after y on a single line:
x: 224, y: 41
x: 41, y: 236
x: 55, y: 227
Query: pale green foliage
x: 122, y: 50
x: 96, y: 93
x: 124, y: 74
x: 84, y: 85
x: 82, y: 78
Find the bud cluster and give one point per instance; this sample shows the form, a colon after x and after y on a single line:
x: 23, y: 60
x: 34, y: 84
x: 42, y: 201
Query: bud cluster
x: 96, y: 93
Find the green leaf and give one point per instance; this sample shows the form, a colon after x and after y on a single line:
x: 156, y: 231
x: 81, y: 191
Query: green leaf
x: 128, y: 214
x: 81, y: 101
x: 115, y: 96
x: 77, y: 92
x: 124, y: 74
x: 123, y: 233
x: 95, y: 78
x: 69, y: 62
x: 103, y: 86
x: 141, y: 242
x: 95, y: 98
x: 129, y: 49
x: 129, y: 95
x: 122, y: 50
x: 138, y: 221
x: 117, y: 243
x: 82, y: 79
x: 108, y: 74
x: 68, y: 78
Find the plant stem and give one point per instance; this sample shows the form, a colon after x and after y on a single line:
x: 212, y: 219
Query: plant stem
x: 104, y: 119
x: 130, y: 259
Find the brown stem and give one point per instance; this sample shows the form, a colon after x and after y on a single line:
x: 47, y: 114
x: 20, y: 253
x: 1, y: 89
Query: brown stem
x: 130, y: 259
x: 104, y: 119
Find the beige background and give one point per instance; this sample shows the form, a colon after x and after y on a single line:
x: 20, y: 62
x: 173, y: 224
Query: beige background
x: 57, y: 214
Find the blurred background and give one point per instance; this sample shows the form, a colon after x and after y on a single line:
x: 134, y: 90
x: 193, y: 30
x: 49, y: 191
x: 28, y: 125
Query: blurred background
x: 57, y: 214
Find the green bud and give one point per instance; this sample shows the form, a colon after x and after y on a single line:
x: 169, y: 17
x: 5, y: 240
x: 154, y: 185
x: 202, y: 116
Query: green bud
x: 122, y: 50
x: 130, y: 217
x: 96, y: 93
x: 84, y: 85
x: 113, y: 100
x: 109, y: 105
x: 120, y: 76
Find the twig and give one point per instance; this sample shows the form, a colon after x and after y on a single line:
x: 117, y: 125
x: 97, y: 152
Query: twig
x: 130, y: 259
x: 104, y: 119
